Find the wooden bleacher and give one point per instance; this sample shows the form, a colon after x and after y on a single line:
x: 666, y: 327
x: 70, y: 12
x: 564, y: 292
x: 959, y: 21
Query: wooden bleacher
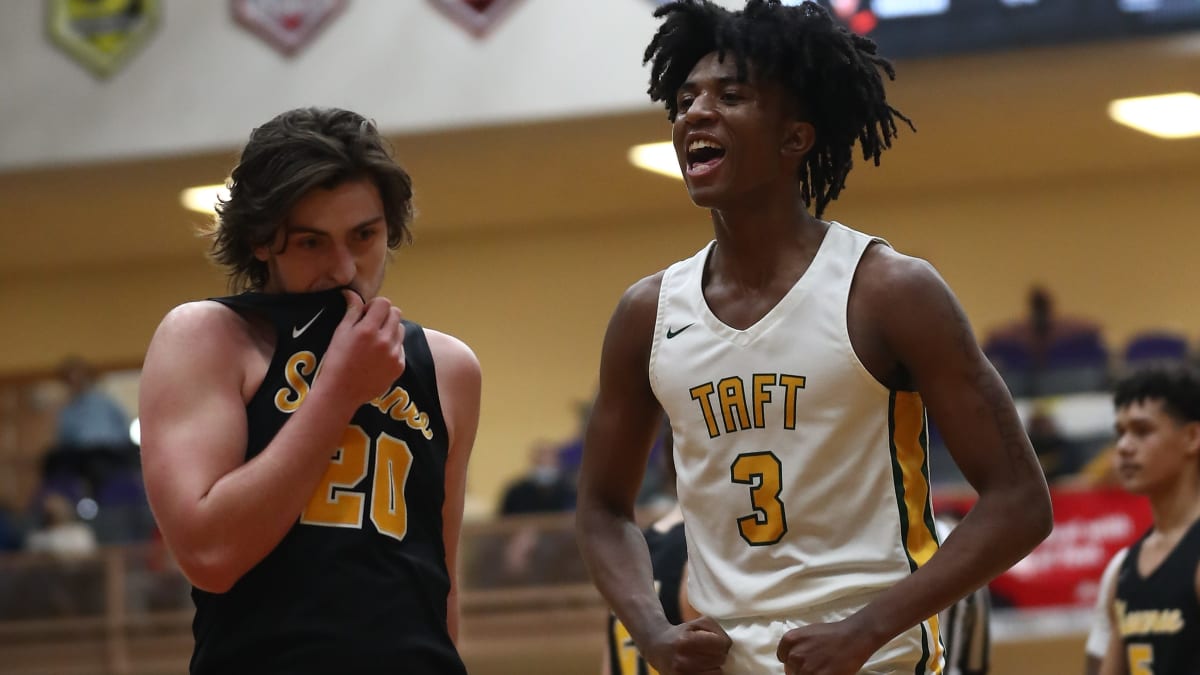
x: 134, y: 616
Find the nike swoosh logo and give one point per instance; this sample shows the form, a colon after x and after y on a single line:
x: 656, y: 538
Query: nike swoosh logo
x: 673, y: 333
x: 297, y: 332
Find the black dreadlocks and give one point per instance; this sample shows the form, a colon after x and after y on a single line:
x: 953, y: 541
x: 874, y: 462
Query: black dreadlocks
x: 832, y: 74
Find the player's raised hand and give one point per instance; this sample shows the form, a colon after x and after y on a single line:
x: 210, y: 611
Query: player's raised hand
x: 823, y: 649
x: 698, y: 646
x: 367, y: 351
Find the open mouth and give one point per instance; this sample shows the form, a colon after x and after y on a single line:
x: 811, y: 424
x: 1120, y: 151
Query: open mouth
x: 703, y: 156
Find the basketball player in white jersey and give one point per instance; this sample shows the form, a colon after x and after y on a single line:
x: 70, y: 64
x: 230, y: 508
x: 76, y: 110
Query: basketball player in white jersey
x: 795, y: 358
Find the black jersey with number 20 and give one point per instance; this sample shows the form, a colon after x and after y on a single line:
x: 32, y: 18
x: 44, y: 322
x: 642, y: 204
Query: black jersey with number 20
x: 359, y: 584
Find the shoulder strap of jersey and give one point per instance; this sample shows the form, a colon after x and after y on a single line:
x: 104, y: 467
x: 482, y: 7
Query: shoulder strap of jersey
x: 420, y: 374
x: 1192, y: 536
x: 1130, y: 564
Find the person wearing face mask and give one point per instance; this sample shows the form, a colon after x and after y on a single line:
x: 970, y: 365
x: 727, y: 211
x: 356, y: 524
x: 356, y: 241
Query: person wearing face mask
x: 525, y: 553
x: 1055, y: 452
x: 543, y: 490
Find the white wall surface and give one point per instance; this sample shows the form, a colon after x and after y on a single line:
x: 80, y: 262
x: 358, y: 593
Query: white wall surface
x: 203, y: 81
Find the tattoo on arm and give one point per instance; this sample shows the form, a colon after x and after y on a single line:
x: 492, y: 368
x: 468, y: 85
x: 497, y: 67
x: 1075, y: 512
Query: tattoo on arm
x: 991, y: 392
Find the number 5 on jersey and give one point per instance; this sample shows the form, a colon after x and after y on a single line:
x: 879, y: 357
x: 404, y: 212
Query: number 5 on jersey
x: 1141, y: 659
x: 335, y: 503
x: 764, y: 474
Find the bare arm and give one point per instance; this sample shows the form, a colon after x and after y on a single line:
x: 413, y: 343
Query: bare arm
x: 1114, y: 658
x: 193, y: 417
x: 1101, y: 630
x: 620, y: 432
x: 459, y: 383
x: 686, y: 611
x: 927, y: 333
x: 1113, y: 662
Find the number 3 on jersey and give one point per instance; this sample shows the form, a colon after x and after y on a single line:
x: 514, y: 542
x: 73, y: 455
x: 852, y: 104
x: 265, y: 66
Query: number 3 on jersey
x: 335, y: 503
x: 764, y: 474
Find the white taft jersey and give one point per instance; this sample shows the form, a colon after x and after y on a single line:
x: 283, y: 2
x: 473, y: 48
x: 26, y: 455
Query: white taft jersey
x: 803, y: 480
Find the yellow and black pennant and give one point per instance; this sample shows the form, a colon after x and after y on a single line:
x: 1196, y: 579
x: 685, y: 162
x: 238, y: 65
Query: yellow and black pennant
x: 101, y: 34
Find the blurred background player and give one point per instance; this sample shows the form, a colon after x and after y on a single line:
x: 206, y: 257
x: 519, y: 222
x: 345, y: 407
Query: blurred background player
x: 1155, y: 604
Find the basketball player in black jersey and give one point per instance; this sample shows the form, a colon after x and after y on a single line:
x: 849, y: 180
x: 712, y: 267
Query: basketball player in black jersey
x: 304, y: 447
x: 1155, y: 605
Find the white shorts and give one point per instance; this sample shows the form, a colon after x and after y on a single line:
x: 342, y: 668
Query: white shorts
x: 756, y: 640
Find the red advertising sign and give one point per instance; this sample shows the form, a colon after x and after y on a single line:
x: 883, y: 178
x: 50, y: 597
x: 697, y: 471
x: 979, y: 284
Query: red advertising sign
x: 1064, y: 570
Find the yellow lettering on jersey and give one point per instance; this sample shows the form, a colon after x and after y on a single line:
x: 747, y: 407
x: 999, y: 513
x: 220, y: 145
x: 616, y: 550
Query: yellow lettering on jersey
x: 399, y: 405
x: 385, y: 401
x: 763, y: 472
x: 791, y: 384
x: 738, y: 412
x: 762, y: 396
x: 301, y: 365
x: 302, y: 369
x: 702, y: 395
x: 334, y: 503
x: 1149, y: 621
x: 389, y: 512
x: 733, y: 401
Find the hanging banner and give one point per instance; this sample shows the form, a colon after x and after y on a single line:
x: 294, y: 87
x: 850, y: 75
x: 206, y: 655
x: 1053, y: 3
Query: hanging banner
x: 477, y: 16
x: 1090, y: 526
x: 101, y: 34
x: 287, y: 25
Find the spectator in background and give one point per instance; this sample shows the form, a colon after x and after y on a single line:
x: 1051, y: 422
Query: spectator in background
x: 74, y: 586
x: 1055, y: 453
x: 10, y: 529
x: 1045, y: 353
x: 530, y: 554
x: 92, y: 435
x: 652, y: 492
x: 91, y: 419
x: 544, y: 489
x: 570, y: 454
x: 1043, y: 326
x: 1099, y: 472
x: 61, y: 535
